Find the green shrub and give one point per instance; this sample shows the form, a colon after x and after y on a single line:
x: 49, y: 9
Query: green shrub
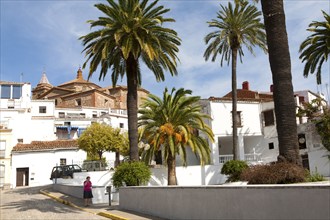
x: 276, y: 173
x: 314, y: 177
x: 133, y: 173
x: 233, y: 169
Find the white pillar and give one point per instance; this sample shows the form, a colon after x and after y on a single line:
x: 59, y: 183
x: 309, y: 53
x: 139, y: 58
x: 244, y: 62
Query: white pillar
x: 241, y: 147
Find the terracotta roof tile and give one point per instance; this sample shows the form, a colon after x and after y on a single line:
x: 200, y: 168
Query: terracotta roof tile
x: 46, y: 145
x: 246, y: 95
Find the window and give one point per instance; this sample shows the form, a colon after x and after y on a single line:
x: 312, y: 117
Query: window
x: 55, y: 102
x: 2, y: 149
x: 61, y: 114
x: 5, y: 91
x: 270, y: 146
x: 302, y: 141
x: 67, y: 123
x: 20, y: 140
x: 269, y: 118
x: 121, y: 125
x: 105, y: 101
x: 78, y: 102
x: 62, y: 161
x: 42, y: 109
x: 82, y: 115
x: 17, y: 91
x: 239, y: 119
x: 2, y: 175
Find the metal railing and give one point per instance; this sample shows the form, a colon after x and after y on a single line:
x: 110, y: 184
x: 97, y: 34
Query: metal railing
x: 252, y: 157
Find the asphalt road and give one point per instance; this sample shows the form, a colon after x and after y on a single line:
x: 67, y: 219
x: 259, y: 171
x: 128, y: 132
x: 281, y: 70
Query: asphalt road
x: 28, y: 203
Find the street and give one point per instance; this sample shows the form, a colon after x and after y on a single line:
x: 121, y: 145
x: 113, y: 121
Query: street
x: 28, y: 203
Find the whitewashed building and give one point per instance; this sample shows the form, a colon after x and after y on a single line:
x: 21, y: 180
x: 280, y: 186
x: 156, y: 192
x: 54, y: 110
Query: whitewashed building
x: 257, y: 129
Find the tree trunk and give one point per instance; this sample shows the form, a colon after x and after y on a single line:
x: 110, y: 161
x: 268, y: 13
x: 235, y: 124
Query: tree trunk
x: 117, y: 161
x: 132, y: 85
x: 280, y: 64
x: 171, y: 174
x: 234, y: 101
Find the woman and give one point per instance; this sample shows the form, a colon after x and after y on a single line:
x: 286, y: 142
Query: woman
x: 88, y: 191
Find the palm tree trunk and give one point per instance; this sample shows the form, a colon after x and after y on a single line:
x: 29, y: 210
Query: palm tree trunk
x: 234, y: 104
x: 171, y: 174
x: 132, y: 85
x: 279, y: 58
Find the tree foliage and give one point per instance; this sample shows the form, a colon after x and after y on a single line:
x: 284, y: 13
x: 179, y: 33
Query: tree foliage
x: 316, y: 48
x: 322, y: 125
x: 237, y: 27
x: 173, y: 123
x: 99, y: 138
x: 131, y: 31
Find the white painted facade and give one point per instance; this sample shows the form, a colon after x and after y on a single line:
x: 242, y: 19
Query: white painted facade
x: 41, y: 163
x: 23, y: 120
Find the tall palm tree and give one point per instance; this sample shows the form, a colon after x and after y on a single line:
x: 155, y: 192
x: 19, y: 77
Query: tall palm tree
x: 236, y: 27
x: 280, y: 64
x: 131, y: 31
x: 173, y: 123
x: 316, y: 48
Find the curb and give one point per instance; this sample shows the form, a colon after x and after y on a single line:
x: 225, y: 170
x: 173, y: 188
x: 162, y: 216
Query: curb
x: 65, y: 202
x: 112, y: 216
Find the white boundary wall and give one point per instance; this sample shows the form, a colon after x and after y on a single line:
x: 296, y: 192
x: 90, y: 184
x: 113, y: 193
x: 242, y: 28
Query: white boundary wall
x: 296, y: 201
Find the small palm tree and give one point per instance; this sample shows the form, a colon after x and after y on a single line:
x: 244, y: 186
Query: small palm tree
x: 236, y: 27
x: 316, y: 48
x: 131, y: 31
x: 171, y: 124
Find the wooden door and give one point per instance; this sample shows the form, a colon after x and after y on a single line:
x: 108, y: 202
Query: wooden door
x: 22, y: 177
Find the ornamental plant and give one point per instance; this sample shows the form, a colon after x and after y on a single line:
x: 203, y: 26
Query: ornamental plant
x: 234, y: 168
x: 131, y: 173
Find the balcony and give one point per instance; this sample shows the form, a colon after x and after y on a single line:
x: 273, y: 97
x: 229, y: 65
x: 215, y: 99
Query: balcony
x: 249, y: 158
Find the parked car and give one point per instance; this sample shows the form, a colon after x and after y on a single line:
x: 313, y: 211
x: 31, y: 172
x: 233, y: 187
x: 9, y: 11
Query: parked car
x: 65, y: 171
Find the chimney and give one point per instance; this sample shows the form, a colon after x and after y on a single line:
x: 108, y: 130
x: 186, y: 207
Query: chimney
x: 271, y: 88
x: 245, y: 85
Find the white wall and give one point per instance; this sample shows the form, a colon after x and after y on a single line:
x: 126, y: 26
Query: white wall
x: 40, y: 164
x: 229, y: 202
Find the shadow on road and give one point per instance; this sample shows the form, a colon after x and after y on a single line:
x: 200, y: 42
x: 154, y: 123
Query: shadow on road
x: 29, y: 198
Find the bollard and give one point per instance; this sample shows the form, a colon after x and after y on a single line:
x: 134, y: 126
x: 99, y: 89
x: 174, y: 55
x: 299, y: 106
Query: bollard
x: 108, y: 189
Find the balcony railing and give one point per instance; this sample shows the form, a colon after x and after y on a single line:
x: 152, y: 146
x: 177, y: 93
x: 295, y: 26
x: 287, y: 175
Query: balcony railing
x: 250, y: 158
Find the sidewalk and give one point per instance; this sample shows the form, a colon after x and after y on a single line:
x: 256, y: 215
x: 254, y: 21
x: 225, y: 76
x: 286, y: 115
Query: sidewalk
x: 112, y: 212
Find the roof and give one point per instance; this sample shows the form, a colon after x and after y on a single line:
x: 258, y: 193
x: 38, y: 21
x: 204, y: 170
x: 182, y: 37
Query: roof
x: 46, y: 145
x: 246, y: 95
x: 13, y: 83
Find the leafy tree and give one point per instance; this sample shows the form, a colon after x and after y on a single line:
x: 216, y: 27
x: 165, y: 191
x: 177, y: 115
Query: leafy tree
x: 99, y: 138
x: 171, y: 124
x: 319, y: 114
x: 236, y: 27
x: 316, y: 48
x: 131, y: 31
x: 323, y: 128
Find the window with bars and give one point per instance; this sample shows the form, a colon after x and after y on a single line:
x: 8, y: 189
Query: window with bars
x: 42, y: 109
x: 269, y: 118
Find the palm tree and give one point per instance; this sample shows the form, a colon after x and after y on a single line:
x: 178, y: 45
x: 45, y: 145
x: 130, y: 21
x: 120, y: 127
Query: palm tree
x: 131, y: 31
x: 172, y: 124
x: 236, y: 27
x: 280, y: 64
x: 316, y: 48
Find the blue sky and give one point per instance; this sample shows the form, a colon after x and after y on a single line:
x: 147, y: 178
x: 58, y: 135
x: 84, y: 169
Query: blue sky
x: 39, y: 36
